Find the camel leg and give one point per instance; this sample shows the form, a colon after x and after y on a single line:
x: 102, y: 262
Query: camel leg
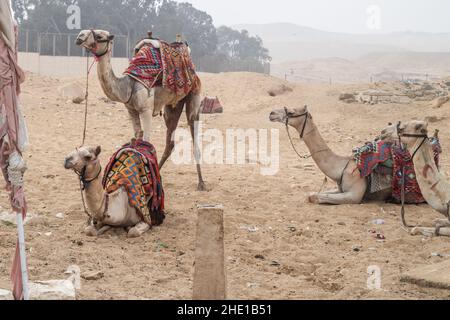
x: 138, y: 230
x: 336, y: 199
x: 354, y: 195
x: 441, y: 223
x: 103, y: 230
x: 193, y: 115
x: 334, y: 191
x: 171, y: 117
x: 146, y: 120
x: 136, y: 122
x: 91, y: 231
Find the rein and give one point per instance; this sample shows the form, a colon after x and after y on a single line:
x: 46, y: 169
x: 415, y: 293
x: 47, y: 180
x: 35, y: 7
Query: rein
x: 302, y: 134
x: 84, y: 183
x: 403, y: 191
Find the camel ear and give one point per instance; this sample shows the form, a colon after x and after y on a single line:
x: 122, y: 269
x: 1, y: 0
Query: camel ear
x: 98, y: 150
x: 400, y: 128
x: 111, y: 37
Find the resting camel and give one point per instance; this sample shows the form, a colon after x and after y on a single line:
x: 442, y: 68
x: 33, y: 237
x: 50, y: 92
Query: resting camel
x: 433, y: 184
x: 352, y: 189
x: 114, y: 212
x: 141, y: 103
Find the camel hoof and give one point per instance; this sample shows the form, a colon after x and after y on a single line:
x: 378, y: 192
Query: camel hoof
x: 138, y: 231
x: 201, y: 187
x: 134, y: 233
x: 91, y: 231
x: 314, y: 198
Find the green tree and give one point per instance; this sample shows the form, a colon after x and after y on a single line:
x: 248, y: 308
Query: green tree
x: 214, y: 50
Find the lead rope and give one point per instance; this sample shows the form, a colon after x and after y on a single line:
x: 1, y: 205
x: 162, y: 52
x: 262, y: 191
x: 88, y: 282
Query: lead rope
x: 86, y: 98
x: 293, y: 146
x: 403, y: 192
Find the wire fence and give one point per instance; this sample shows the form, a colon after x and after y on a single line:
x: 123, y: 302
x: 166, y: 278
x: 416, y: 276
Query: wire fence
x: 63, y: 44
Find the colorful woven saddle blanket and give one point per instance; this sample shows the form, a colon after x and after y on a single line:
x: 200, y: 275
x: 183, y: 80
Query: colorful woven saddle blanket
x: 211, y: 105
x: 373, y: 155
x: 169, y: 66
x: 380, y: 158
x: 134, y: 167
x: 146, y: 67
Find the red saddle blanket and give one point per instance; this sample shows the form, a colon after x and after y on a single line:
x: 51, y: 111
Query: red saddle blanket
x: 381, y: 157
x: 211, y: 105
x: 134, y: 167
x: 169, y: 66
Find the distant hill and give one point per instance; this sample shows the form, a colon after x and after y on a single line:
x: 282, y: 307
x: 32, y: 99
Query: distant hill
x: 374, y: 66
x: 287, y: 42
x: 307, y: 54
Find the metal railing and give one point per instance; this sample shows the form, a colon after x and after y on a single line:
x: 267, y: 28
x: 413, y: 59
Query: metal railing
x: 63, y: 44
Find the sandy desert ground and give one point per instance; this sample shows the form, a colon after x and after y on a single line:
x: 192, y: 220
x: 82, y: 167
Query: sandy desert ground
x: 299, y: 251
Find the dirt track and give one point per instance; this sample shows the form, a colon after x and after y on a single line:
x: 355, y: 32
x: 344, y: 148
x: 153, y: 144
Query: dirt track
x: 313, y: 245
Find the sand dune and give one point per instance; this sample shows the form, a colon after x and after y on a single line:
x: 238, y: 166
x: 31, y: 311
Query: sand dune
x: 311, y: 245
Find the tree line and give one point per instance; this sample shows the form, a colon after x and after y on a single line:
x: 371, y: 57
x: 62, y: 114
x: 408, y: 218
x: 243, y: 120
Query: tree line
x: 213, y: 49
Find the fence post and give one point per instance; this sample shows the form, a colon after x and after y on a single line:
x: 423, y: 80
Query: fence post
x: 27, y: 38
x: 54, y: 45
x: 68, y: 45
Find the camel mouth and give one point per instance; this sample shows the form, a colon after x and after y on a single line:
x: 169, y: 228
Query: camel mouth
x: 79, y: 42
x: 68, y: 165
x: 276, y: 117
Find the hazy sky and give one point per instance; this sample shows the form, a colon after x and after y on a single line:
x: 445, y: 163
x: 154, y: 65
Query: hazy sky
x: 333, y: 15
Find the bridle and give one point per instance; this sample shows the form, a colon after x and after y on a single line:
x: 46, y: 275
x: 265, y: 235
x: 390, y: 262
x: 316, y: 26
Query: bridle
x: 97, y: 40
x: 424, y: 138
x: 84, y: 183
x: 307, y: 116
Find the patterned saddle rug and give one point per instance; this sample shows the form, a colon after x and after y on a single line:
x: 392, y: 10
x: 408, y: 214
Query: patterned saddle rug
x: 384, y: 165
x: 134, y: 167
x: 169, y: 66
x: 211, y: 105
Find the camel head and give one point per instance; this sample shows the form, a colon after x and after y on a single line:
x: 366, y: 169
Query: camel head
x: 389, y: 134
x: 95, y: 41
x: 296, y: 118
x: 83, y: 160
x: 412, y: 132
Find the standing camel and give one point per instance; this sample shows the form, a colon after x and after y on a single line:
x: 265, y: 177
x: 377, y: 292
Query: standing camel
x: 352, y: 189
x: 143, y: 104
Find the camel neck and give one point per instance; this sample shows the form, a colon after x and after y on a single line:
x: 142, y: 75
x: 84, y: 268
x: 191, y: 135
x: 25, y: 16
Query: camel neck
x: 328, y: 162
x: 433, y: 184
x: 116, y: 89
x: 95, y: 195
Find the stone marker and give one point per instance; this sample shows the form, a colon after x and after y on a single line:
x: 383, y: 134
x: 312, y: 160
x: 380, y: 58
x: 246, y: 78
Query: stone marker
x: 6, y: 295
x: 434, y: 276
x: 72, y: 91
x: 209, y: 274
